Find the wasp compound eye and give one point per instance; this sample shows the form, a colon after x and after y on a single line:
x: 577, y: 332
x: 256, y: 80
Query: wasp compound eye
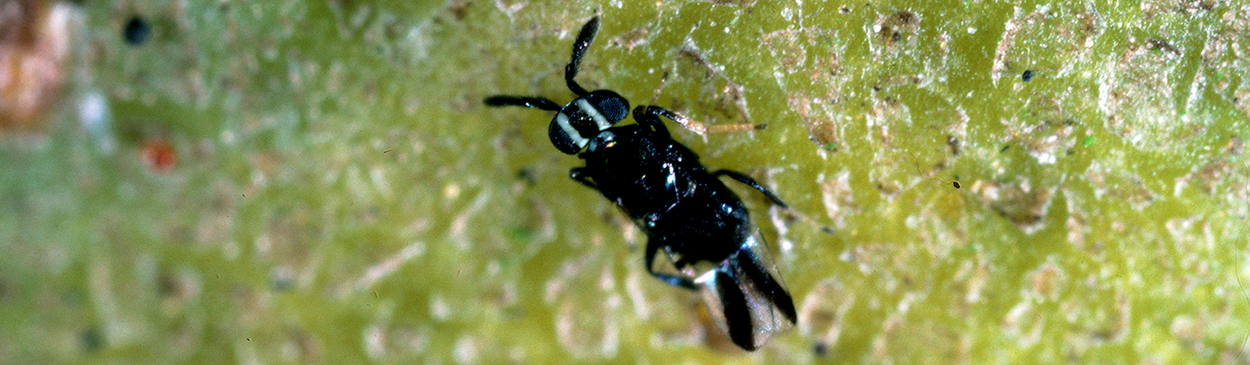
x: 611, y: 105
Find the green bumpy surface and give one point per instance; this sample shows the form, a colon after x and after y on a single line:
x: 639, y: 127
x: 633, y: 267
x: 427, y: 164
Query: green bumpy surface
x: 341, y: 195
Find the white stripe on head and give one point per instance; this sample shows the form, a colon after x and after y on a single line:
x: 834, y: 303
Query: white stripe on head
x: 594, y: 114
x: 563, y: 121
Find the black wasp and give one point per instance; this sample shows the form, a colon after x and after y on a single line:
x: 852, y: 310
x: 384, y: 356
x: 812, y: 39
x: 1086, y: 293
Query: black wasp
x: 702, y: 226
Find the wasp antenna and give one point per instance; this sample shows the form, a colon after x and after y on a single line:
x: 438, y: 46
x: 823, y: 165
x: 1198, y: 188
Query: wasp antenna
x: 525, y: 101
x: 584, y: 38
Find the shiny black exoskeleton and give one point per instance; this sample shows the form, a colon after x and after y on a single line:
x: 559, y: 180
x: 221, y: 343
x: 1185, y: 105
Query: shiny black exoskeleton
x: 702, y: 227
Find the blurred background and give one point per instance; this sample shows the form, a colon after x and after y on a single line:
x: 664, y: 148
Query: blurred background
x: 216, y: 181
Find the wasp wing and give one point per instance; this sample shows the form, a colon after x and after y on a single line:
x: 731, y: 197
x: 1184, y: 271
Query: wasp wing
x: 746, y: 296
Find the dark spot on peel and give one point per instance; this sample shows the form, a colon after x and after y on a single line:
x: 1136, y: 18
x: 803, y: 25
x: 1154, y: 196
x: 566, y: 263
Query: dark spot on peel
x: 166, y: 286
x: 137, y: 31
x: 527, y: 175
x: 1162, y: 45
x: 459, y: 9
x: 91, y: 339
x: 820, y: 349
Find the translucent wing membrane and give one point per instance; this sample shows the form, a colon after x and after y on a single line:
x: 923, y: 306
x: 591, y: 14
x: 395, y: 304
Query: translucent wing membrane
x: 746, y: 297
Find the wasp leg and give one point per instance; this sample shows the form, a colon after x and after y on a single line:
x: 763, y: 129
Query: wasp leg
x: 742, y: 127
x: 765, y: 283
x: 748, y: 181
x: 584, y: 38
x: 646, y: 115
x: 694, y: 126
x: 579, y: 174
x: 525, y: 101
x: 737, y: 313
x: 653, y: 246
